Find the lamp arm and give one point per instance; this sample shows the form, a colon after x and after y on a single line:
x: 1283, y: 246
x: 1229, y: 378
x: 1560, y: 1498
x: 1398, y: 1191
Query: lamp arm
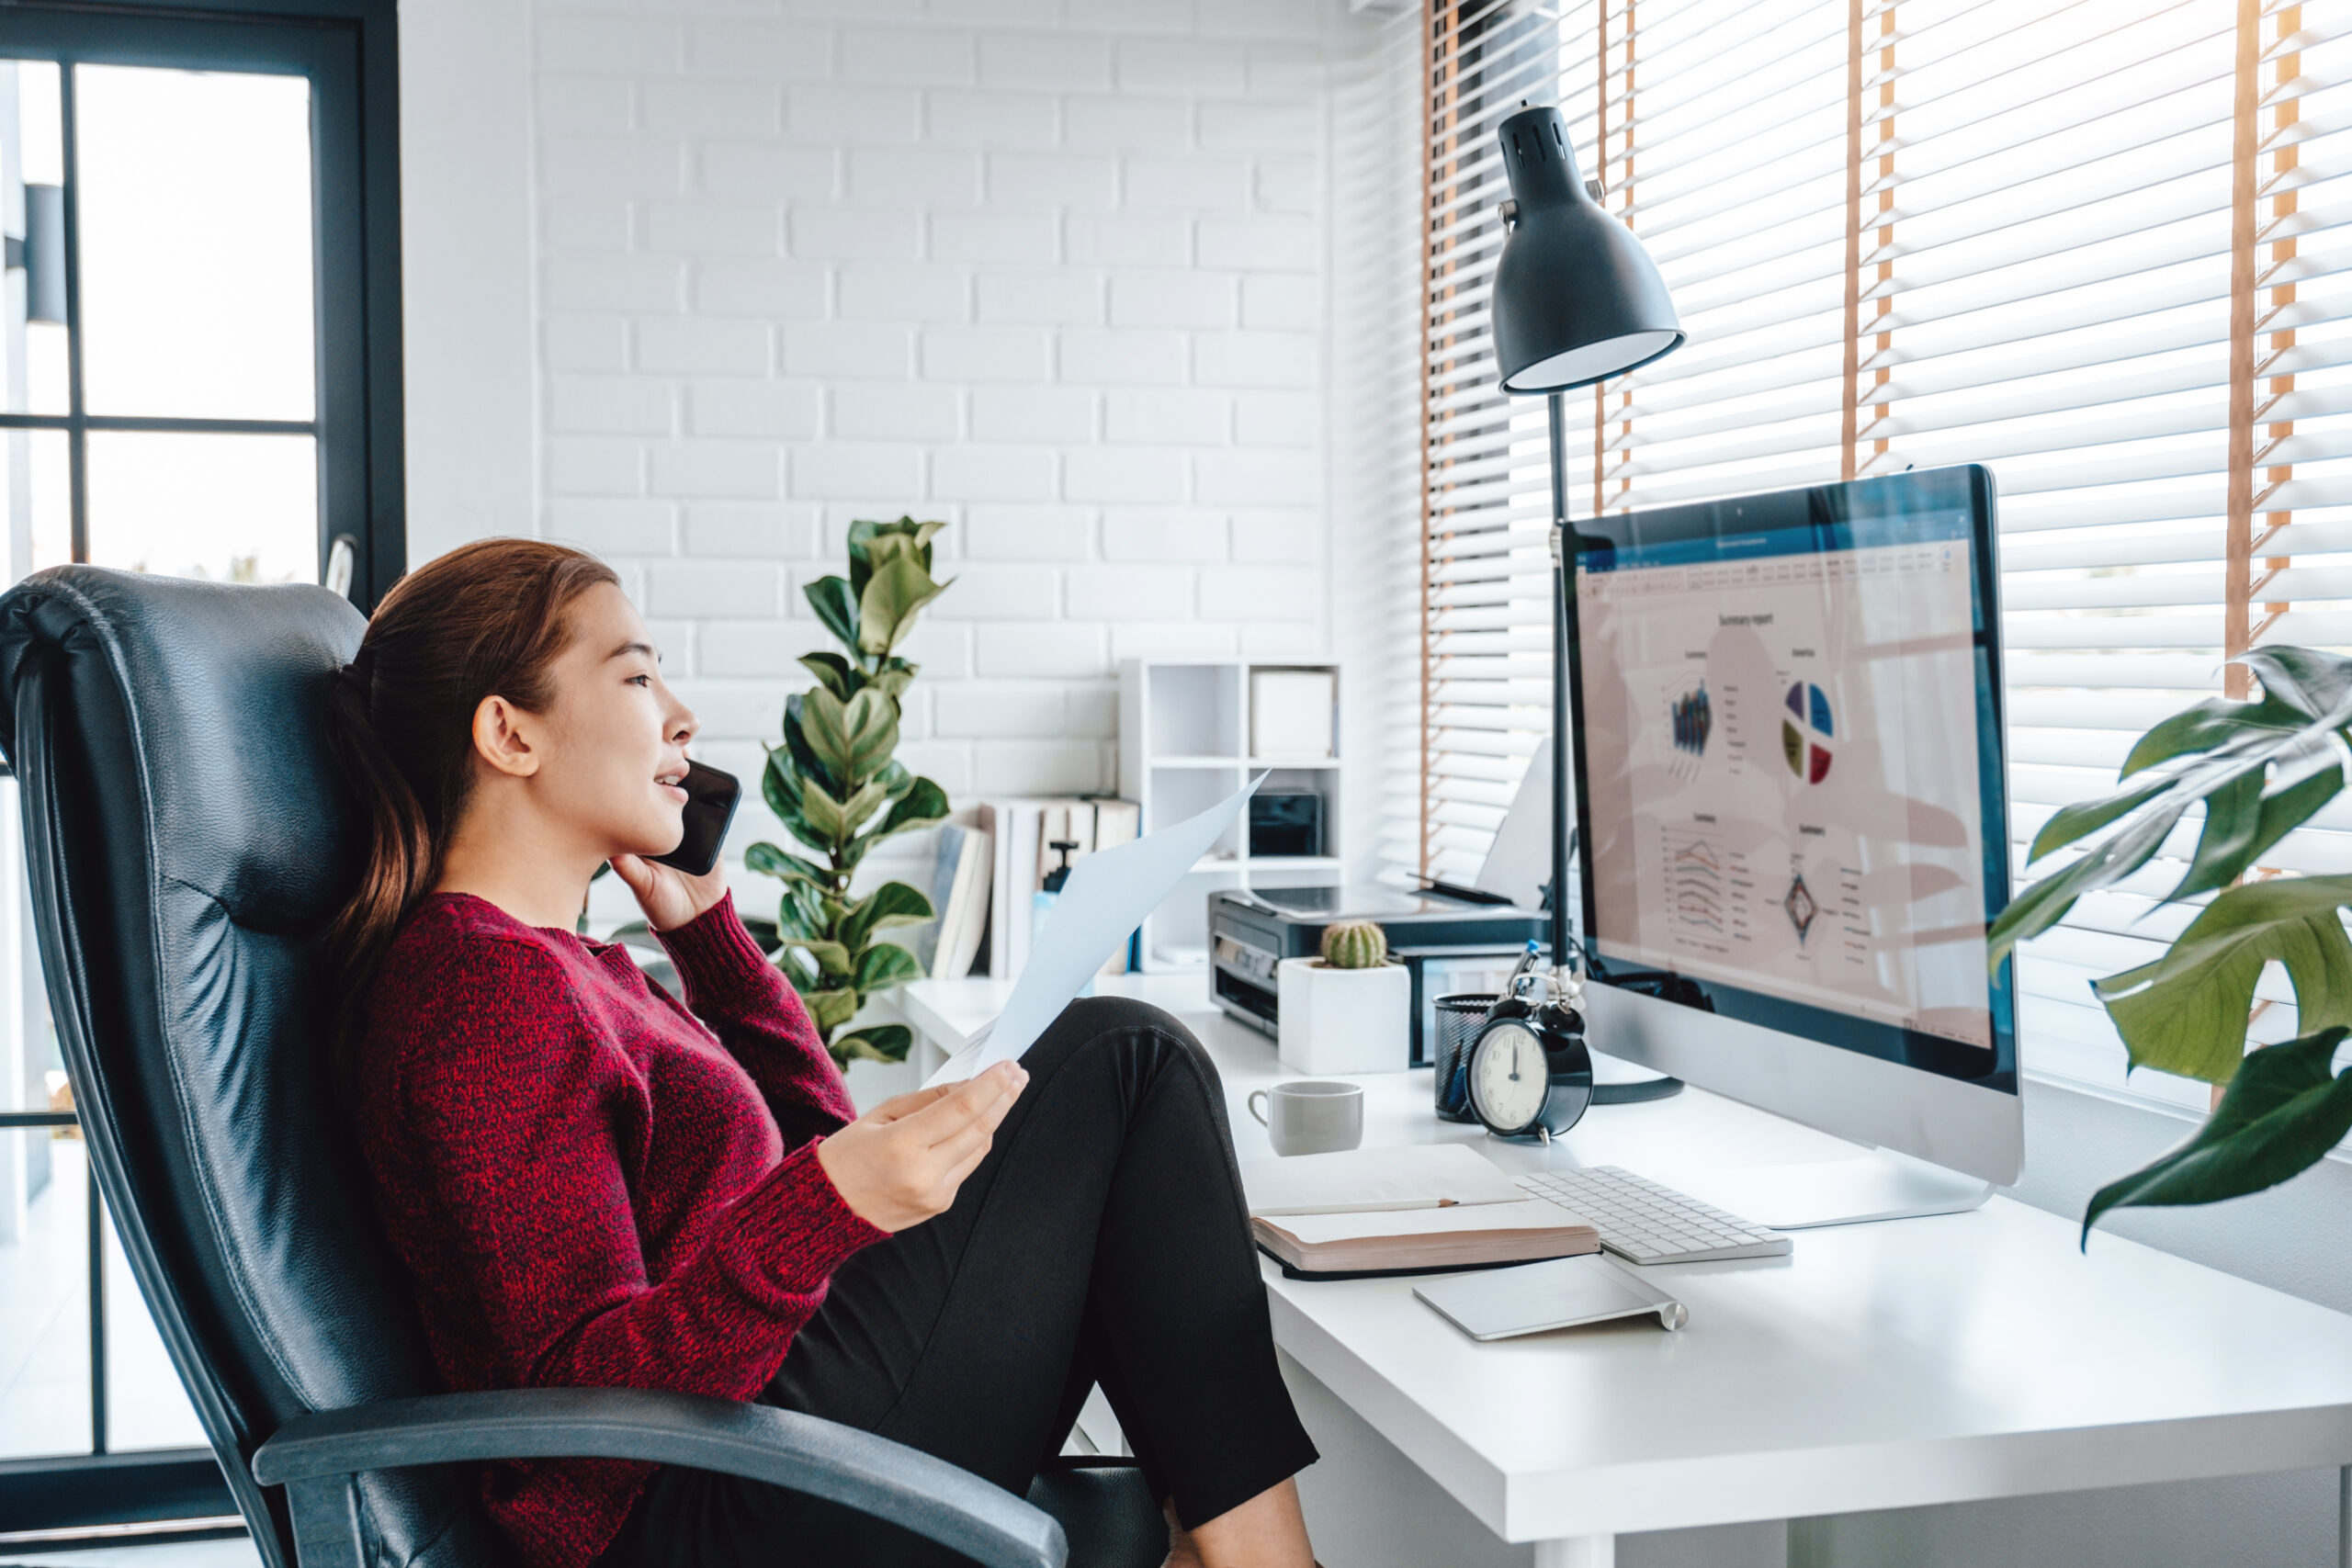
x: 1562, y: 608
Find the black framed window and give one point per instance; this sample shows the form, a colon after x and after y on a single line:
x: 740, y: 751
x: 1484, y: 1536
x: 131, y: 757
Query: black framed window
x: 201, y: 333
x: 200, y: 374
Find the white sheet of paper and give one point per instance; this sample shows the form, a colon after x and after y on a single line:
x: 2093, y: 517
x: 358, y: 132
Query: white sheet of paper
x: 1106, y: 897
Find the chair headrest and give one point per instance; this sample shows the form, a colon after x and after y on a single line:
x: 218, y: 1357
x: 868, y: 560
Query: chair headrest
x: 225, y: 686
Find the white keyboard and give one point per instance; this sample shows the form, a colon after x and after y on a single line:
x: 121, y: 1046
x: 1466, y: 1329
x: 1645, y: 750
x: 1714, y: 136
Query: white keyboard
x: 1641, y: 1221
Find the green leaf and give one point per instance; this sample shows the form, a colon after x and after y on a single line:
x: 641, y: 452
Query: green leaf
x: 2279, y: 1116
x: 854, y: 740
x: 836, y: 604
x: 873, y: 731
x: 797, y: 823
x: 2315, y: 685
x: 923, y: 534
x: 861, y: 535
x: 922, y: 804
x: 832, y: 959
x: 2233, y: 813
x: 870, y: 544
x: 780, y: 780
x: 884, y: 549
x: 892, y: 904
x: 2207, y: 725
x: 2289, y: 738
x: 762, y: 933
x: 2286, y: 808
x: 876, y: 1043
x: 799, y: 913
x: 886, y: 965
x: 831, y: 1008
x: 2243, y: 820
x: 799, y: 751
x: 858, y: 807
x: 822, y: 724
x: 821, y: 824
x: 2187, y: 1012
x: 834, y: 670
x: 2302, y: 689
x: 2071, y: 822
x: 887, y: 610
x: 861, y: 562
x: 2045, y: 903
x: 770, y: 860
x: 894, y: 677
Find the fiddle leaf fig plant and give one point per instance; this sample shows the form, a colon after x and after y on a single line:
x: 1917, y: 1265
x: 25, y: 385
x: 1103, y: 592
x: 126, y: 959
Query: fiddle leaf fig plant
x: 2260, y: 769
x: 839, y: 791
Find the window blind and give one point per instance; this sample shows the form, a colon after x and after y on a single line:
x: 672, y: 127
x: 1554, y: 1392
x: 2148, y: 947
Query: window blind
x: 2100, y: 245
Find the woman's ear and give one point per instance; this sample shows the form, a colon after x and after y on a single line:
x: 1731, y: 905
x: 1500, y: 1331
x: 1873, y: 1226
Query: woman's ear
x: 501, y: 738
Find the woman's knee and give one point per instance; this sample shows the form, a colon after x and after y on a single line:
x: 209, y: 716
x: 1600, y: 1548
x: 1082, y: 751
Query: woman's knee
x: 1134, y: 1028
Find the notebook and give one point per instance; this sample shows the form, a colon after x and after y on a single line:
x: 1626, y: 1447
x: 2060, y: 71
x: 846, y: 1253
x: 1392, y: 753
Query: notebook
x: 1423, y: 1209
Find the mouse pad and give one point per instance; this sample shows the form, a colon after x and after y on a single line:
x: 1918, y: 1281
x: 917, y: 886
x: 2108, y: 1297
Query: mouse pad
x: 1562, y: 1294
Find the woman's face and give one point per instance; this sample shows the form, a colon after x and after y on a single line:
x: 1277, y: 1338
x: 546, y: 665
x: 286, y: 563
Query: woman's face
x: 613, y: 741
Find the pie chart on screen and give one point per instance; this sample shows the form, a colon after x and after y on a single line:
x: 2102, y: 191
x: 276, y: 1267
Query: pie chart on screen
x: 1808, y: 732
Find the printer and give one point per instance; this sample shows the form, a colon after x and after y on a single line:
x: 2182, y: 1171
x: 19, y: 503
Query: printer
x: 1450, y: 939
x: 1448, y: 943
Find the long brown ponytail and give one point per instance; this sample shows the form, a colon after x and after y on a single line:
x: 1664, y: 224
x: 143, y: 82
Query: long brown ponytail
x: 487, y: 619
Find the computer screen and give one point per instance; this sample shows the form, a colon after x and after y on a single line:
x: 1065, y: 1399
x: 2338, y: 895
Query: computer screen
x: 1789, y: 763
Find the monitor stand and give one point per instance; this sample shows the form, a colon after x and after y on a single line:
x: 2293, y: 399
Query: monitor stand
x: 1879, y: 1185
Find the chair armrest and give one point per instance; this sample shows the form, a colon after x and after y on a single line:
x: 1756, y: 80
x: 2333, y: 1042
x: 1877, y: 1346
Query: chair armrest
x: 315, y: 1456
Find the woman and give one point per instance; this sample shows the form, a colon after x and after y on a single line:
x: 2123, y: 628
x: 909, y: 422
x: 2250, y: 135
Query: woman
x: 589, y: 1183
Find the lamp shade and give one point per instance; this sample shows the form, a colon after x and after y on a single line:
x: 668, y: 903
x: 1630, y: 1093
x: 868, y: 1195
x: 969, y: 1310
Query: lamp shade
x: 1577, y: 299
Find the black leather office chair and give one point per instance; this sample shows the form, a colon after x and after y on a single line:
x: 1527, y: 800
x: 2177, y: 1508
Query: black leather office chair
x: 188, y: 839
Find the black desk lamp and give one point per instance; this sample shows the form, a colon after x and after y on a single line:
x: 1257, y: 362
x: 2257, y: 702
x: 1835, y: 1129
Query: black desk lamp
x: 1575, y: 300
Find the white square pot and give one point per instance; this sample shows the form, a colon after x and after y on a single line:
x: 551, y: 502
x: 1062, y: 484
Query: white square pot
x: 1344, y: 1021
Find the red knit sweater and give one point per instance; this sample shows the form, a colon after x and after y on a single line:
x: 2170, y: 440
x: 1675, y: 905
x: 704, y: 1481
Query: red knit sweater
x: 588, y: 1186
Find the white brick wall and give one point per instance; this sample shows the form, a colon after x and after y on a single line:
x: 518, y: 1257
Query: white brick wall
x: 1054, y: 272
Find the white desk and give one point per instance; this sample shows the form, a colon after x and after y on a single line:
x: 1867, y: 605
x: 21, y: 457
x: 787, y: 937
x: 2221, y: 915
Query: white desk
x: 1919, y: 1361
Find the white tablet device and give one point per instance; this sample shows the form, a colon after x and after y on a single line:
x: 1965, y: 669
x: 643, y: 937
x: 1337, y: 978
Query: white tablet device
x: 1563, y: 1293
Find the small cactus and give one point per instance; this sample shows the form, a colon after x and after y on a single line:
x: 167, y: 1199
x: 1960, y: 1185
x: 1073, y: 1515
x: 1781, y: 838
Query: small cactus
x: 1355, y: 944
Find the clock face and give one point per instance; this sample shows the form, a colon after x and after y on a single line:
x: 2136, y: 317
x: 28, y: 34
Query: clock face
x: 1509, y: 1075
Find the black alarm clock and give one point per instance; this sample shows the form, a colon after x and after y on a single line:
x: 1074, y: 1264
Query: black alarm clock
x: 1530, y: 1076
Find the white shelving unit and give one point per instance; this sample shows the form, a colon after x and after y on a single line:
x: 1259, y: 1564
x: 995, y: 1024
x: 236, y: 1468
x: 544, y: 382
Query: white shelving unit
x: 1183, y: 746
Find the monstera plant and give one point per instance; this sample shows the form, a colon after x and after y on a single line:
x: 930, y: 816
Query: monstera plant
x: 2260, y: 769
x: 838, y: 790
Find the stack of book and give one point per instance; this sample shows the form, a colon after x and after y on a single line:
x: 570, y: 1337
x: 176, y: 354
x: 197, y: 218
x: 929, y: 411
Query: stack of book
x: 1422, y: 1209
x: 992, y: 861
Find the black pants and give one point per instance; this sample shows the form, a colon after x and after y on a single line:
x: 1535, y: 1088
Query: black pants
x: 1103, y: 1239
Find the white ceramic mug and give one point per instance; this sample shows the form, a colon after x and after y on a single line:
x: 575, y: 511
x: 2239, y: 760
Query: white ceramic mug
x: 1312, y: 1118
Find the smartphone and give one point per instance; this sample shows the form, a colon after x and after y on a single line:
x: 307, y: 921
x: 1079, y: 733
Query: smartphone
x: 711, y: 798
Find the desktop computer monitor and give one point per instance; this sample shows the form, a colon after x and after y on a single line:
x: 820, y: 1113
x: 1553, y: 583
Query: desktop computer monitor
x: 1788, y: 756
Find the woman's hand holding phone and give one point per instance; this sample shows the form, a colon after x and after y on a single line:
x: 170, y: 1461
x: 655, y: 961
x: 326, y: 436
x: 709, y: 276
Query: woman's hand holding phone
x: 669, y: 897
x: 901, y: 1162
